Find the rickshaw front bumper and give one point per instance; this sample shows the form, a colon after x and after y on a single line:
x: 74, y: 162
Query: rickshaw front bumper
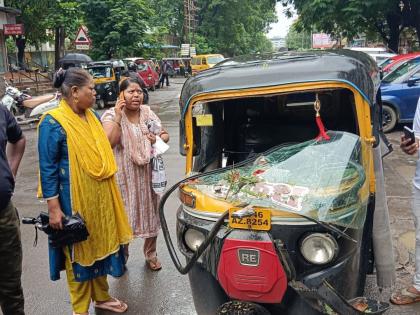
x: 247, y: 278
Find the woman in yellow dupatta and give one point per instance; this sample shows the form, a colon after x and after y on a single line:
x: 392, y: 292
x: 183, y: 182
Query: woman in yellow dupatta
x: 77, y: 169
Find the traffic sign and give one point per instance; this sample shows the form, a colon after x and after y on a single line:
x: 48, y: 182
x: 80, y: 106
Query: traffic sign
x: 192, y: 51
x: 82, y: 37
x: 82, y: 46
x: 185, y: 49
x: 13, y: 29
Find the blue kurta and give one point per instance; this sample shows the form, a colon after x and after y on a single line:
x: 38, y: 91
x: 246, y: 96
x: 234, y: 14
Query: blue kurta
x: 55, y: 181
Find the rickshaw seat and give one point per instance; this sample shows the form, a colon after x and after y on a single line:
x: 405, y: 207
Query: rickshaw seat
x: 261, y: 136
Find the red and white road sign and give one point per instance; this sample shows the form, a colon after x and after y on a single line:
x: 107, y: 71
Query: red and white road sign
x: 82, y: 37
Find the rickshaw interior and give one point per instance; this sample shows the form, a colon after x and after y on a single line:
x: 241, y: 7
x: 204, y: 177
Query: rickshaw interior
x: 100, y: 72
x: 242, y: 127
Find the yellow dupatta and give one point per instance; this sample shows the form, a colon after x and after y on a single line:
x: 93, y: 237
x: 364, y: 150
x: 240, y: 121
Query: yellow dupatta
x: 94, y: 192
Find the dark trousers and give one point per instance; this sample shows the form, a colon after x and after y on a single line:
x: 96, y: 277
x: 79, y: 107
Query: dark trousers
x: 11, y: 294
x: 162, y: 79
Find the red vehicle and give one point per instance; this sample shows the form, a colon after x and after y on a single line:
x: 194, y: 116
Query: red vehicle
x: 393, y: 62
x: 148, y: 73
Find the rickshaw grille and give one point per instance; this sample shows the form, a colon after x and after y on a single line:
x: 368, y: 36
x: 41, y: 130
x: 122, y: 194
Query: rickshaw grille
x: 251, y: 271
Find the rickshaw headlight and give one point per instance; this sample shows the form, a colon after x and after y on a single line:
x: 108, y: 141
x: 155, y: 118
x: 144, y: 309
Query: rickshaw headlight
x: 319, y: 248
x: 193, y: 239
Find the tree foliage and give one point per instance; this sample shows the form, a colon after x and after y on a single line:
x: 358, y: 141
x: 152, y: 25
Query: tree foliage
x: 298, y: 40
x: 117, y: 27
x: 120, y: 28
x: 234, y: 27
x: 352, y: 17
x: 41, y: 15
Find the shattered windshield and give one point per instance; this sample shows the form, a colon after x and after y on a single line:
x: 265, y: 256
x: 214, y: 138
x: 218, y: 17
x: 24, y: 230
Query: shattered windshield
x: 320, y: 179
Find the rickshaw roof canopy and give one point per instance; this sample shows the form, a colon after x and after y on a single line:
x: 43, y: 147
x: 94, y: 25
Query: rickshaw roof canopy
x: 246, y: 72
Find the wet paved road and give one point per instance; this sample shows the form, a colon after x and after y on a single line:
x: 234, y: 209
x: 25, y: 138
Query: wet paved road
x: 166, y: 292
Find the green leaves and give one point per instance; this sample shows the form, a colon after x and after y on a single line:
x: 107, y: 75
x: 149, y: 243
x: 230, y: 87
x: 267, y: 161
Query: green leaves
x: 352, y: 17
x: 117, y: 27
x: 120, y: 28
x: 234, y: 27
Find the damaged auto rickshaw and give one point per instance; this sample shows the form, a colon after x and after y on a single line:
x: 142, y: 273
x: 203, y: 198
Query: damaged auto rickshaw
x: 277, y: 210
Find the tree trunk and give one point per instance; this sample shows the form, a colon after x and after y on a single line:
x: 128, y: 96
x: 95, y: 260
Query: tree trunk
x: 21, y: 44
x: 394, y: 22
x: 59, y: 45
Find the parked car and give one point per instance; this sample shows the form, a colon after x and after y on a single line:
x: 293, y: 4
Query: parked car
x: 203, y: 62
x: 379, y: 54
x: 400, y: 93
x: 380, y: 58
x: 392, y: 63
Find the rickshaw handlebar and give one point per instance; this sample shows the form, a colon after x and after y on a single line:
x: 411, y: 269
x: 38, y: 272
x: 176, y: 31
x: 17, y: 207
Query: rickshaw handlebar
x: 220, y: 221
x: 166, y: 234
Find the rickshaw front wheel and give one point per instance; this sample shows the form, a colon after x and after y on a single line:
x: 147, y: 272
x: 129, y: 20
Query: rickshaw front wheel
x: 242, y: 308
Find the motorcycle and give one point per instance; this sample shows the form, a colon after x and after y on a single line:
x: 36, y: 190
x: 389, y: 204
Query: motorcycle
x: 22, y: 104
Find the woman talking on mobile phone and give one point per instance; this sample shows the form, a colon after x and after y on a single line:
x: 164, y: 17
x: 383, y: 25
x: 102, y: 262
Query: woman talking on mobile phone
x: 126, y: 126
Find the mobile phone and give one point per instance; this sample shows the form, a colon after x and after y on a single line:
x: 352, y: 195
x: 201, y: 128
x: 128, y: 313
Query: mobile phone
x: 121, y: 96
x: 409, y: 134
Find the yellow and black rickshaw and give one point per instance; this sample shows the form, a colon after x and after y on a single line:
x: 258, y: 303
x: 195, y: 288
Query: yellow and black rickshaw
x: 106, y: 75
x: 277, y: 208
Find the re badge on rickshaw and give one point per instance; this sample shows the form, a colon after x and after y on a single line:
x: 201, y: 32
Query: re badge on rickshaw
x: 260, y: 220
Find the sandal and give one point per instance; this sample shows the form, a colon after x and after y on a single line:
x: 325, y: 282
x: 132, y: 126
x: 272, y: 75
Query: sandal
x: 154, y: 264
x: 405, y: 297
x: 112, y: 305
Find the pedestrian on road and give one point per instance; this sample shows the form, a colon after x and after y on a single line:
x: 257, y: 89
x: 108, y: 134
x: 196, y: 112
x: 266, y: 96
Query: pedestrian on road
x: 165, y: 73
x: 126, y: 126
x: 77, y: 170
x: 12, y: 147
x: 411, y: 294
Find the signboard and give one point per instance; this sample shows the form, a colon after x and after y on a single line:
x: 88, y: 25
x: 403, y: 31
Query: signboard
x: 185, y: 49
x: 192, y: 51
x: 322, y: 40
x: 13, y: 29
x: 82, y: 47
x: 82, y: 40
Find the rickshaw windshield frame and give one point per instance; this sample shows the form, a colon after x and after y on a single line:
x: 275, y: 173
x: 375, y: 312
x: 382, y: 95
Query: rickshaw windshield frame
x: 361, y: 101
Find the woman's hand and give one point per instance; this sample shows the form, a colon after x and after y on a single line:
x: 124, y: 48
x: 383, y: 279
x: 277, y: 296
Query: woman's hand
x: 409, y: 149
x: 164, y: 135
x: 151, y: 137
x: 119, y: 106
x: 55, y: 213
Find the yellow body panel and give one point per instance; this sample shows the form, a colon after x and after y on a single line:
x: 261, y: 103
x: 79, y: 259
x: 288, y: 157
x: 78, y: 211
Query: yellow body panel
x: 200, y: 67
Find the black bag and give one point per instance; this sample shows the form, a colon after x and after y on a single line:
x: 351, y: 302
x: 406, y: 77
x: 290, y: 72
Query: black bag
x: 74, y: 229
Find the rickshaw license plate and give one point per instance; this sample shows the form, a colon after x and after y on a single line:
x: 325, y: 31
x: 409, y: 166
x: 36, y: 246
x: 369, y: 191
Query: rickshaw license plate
x: 260, y: 221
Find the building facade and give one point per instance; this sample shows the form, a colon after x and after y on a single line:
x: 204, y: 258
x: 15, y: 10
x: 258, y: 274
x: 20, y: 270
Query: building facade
x: 7, y: 16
